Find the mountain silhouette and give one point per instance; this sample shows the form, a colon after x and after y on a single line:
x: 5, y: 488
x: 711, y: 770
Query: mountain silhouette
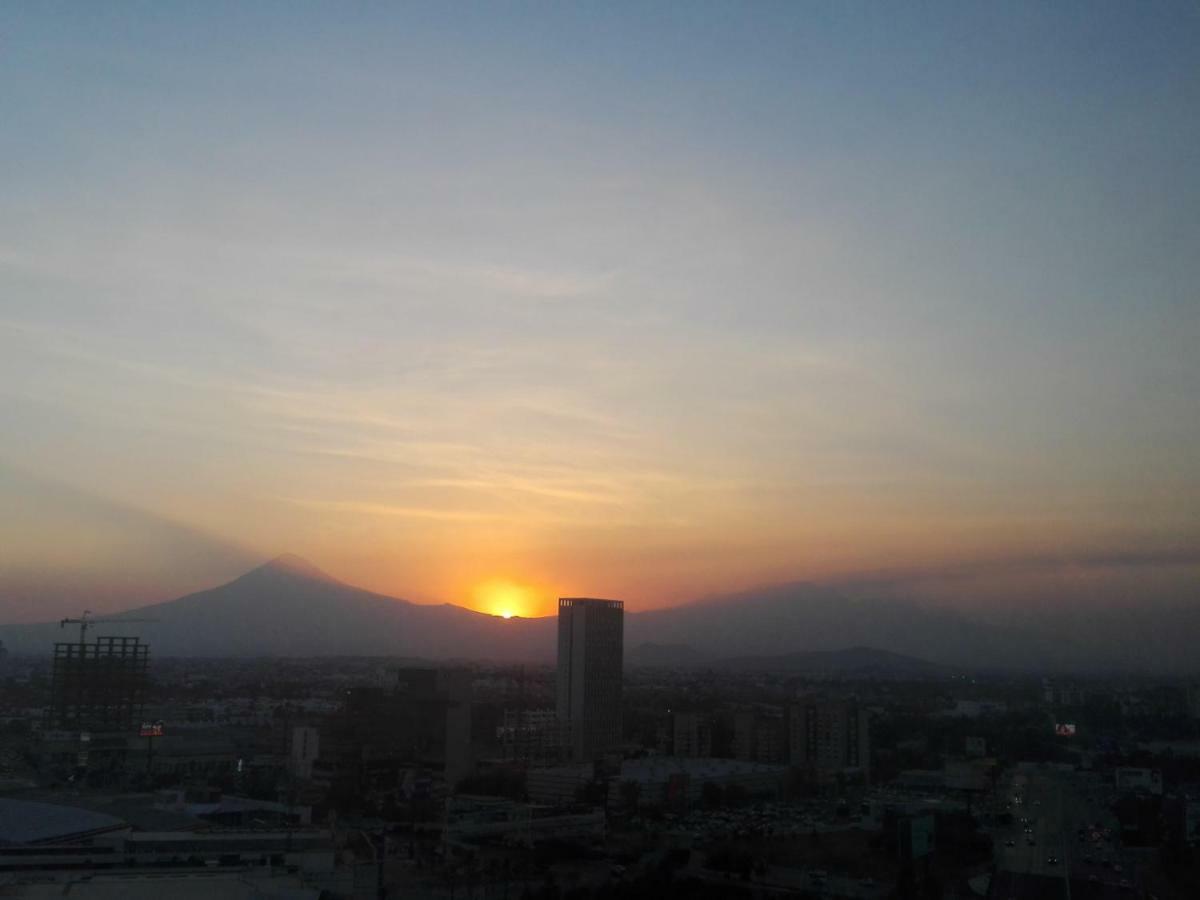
x: 289, y: 607
x: 803, y: 617
x: 666, y: 656
x: 852, y: 661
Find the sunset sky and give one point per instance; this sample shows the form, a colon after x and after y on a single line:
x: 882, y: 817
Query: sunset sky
x: 492, y: 303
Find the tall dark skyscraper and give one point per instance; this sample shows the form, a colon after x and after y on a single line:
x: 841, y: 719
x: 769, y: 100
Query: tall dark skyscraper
x: 591, y: 638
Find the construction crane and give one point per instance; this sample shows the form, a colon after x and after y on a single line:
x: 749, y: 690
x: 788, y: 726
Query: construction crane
x: 86, y: 619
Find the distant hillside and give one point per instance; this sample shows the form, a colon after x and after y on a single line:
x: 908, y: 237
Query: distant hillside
x: 804, y: 617
x: 650, y: 655
x: 853, y: 661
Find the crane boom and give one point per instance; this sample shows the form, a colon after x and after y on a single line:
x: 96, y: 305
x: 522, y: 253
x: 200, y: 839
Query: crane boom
x: 86, y: 619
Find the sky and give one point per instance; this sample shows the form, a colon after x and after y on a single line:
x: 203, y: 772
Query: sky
x: 492, y: 303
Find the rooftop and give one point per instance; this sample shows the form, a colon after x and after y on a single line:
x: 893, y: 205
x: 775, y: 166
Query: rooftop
x: 30, y: 822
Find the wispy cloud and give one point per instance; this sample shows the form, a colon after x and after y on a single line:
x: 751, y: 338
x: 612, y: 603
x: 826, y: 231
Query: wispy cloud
x: 382, y: 509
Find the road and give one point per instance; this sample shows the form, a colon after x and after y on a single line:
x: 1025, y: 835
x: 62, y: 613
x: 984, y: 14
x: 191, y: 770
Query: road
x: 1044, y: 804
x: 1056, y: 805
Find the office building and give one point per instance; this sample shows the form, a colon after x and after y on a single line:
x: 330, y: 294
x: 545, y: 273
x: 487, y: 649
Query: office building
x: 591, y: 636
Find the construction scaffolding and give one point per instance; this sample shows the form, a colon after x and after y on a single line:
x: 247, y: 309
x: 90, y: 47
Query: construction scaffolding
x: 99, y: 687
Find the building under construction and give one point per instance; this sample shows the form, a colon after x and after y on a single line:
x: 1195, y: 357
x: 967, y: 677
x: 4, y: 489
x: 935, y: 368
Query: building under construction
x: 99, y: 687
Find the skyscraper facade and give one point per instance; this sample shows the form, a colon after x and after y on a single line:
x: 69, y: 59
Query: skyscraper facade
x: 591, y: 638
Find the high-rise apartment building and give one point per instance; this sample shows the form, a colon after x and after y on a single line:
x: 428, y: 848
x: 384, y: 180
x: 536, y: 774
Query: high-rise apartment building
x: 829, y: 737
x: 591, y: 637
x: 760, y: 736
x: 693, y: 735
x: 536, y: 737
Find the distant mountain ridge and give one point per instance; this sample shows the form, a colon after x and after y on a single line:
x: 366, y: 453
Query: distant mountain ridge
x: 856, y: 661
x: 652, y: 655
x: 289, y: 607
x: 851, y: 661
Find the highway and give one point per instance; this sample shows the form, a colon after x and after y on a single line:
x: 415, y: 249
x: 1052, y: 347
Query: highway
x: 1056, y: 804
x: 1044, y: 804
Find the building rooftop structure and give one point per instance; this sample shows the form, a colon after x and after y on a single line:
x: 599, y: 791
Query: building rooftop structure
x: 655, y: 767
x: 31, y: 822
x: 138, y: 810
x: 177, y: 886
x: 654, y: 775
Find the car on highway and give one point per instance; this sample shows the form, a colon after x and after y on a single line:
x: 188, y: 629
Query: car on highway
x: 1052, y: 860
x: 1010, y: 843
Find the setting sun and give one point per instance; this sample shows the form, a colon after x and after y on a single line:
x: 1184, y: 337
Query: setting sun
x: 501, y: 597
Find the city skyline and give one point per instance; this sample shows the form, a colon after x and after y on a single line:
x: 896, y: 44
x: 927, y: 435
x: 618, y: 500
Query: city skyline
x: 490, y: 308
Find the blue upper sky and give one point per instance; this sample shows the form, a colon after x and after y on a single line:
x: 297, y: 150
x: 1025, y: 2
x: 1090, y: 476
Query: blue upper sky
x: 645, y: 299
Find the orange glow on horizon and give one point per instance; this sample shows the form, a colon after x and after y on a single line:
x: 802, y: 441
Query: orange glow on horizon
x: 505, y: 598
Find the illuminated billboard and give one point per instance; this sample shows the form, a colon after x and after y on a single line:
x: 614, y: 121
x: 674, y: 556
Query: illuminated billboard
x: 151, y: 729
x: 1065, y: 729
